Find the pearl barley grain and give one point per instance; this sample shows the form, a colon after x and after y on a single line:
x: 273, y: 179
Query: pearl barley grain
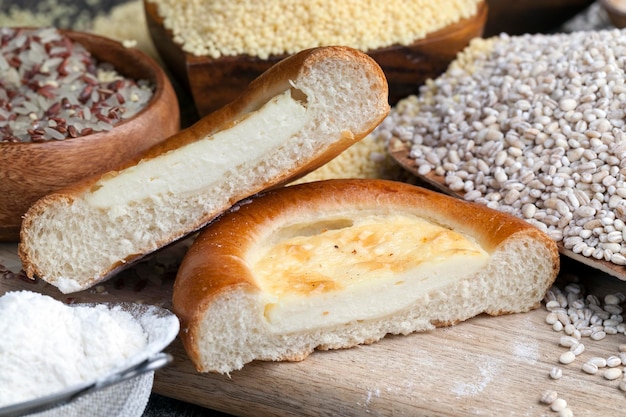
x: 568, y: 341
x: 549, y: 396
x: 598, y: 361
x: 558, y: 405
x: 590, y: 368
x: 598, y: 335
x: 551, y: 318
x: 577, y: 349
x: 613, y: 361
x: 613, y: 373
x: 575, y: 186
x: 567, y: 357
x: 556, y: 373
x: 566, y: 412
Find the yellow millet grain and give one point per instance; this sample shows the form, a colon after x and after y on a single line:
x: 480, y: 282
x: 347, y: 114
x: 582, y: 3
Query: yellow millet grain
x: 476, y: 51
x: 262, y: 28
x: 126, y: 22
x: 369, y: 158
x: 465, y: 60
x: 365, y: 159
x: 47, y: 13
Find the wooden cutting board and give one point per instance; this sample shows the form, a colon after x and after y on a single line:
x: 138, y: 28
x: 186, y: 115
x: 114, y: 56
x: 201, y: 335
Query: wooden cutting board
x: 494, y: 366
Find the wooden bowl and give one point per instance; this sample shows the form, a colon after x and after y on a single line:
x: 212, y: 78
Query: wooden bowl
x: 616, y: 11
x: 30, y: 170
x: 215, y: 82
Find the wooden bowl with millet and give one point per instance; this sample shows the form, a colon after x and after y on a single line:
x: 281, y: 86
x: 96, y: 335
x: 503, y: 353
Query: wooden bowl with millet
x: 31, y: 167
x: 215, y: 82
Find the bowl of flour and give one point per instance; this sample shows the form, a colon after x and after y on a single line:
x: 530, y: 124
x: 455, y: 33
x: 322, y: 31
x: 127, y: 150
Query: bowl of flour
x: 81, y: 359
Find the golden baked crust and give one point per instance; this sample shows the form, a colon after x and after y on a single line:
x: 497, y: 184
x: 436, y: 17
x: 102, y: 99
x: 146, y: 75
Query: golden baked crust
x: 215, y: 265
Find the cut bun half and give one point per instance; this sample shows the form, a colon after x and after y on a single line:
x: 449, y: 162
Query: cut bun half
x: 337, y: 263
x: 295, y: 117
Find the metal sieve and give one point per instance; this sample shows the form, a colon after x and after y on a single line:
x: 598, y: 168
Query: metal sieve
x: 123, y: 392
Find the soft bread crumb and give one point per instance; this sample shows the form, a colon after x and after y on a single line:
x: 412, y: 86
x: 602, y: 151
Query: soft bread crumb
x: 510, y: 284
x: 222, y: 305
x: 65, y: 239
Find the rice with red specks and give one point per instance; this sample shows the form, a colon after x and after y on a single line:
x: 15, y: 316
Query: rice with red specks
x: 51, y: 88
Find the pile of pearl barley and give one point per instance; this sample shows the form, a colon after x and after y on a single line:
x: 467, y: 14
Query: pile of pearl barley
x: 531, y: 125
x: 577, y: 316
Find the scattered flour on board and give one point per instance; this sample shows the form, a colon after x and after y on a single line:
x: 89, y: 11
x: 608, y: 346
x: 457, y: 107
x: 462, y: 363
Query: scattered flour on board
x: 47, y: 346
x: 526, y: 349
x: 488, y: 369
x: 372, y: 393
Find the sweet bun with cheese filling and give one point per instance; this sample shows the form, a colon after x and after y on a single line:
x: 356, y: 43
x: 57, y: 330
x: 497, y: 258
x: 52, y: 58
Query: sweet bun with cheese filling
x: 295, y: 117
x: 337, y: 263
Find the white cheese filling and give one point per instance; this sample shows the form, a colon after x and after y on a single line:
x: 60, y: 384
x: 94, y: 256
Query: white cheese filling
x: 359, y: 270
x: 202, y: 163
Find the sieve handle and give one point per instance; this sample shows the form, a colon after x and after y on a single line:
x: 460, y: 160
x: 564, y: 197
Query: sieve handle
x: 151, y: 364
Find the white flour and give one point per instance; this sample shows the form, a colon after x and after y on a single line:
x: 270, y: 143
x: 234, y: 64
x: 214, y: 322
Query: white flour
x: 46, y: 346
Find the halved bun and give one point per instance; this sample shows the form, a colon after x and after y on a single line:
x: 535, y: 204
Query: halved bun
x: 294, y: 118
x: 337, y: 263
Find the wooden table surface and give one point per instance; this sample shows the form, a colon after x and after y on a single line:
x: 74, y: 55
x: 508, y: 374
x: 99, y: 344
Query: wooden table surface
x: 484, y: 366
